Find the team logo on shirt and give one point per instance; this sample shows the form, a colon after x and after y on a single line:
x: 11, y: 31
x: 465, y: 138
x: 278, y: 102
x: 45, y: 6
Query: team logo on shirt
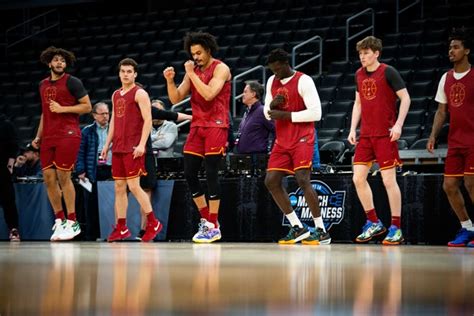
x: 331, y: 204
x: 457, y: 93
x: 50, y: 94
x: 120, y: 107
x: 284, y: 93
x: 369, y: 88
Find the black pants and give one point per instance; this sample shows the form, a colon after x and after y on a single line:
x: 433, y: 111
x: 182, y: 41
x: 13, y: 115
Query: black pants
x: 7, y: 196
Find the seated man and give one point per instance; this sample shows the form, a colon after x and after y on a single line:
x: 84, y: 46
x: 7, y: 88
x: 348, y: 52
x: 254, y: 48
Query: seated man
x: 163, y: 133
x: 28, y: 164
x: 255, y: 132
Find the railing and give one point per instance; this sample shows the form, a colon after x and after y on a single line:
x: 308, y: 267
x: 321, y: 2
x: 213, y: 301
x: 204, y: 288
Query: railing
x: 234, y: 86
x: 348, y: 21
x: 320, y: 55
x: 399, y: 11
x: 44, y: 22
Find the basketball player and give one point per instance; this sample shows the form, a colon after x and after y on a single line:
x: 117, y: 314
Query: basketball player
x: 378, y: 87
x: 293, y: 102
x: 456, y: 96
x: 63, y: 98
x: 208, y: 81
x: 129, y: 131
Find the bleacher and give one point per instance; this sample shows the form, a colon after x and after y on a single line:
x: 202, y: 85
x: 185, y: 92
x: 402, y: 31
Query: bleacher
x: 246, y: 31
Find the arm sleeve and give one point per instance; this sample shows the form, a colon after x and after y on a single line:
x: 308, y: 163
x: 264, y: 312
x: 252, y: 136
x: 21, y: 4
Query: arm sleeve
x: 440, y: 94
x: 307, y: 90
x: 268, y: 97
x: 165, y: 115
x: 76, y: 87
x: 394, y: 79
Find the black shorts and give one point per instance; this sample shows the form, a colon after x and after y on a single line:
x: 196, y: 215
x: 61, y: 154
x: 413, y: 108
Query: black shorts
x: 149, y: 181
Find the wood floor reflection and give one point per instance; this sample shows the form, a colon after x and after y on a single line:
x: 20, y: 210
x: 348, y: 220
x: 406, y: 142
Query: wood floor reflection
x: 233, y: 278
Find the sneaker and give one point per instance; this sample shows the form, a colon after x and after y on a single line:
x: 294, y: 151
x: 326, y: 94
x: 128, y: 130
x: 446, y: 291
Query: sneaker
x: 317, y: 236
x: 394, y: 236
x: 140, y: 235
x: 57, y: 229
x: 463, y: 237
x: 14, y: 235
x: 295, y: 234
x: 152, y: 229
x: 471, y: 244
x: 119, y: 233
x: 371, y: 230
x: 207, y: 232
x: 70, y: 230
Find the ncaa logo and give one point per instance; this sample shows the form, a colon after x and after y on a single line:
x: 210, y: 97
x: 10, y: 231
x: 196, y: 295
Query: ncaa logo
x: 331, y: 204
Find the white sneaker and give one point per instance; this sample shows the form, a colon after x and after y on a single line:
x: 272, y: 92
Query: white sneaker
x: 71, y: 229
x: 57, y: 229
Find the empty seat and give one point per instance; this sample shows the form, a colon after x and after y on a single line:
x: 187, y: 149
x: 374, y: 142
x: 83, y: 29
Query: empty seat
x: 341, y: 106
x: 334, y: 120
x: 419, y: 144
x: 332, y: 151
x: 415, y: 117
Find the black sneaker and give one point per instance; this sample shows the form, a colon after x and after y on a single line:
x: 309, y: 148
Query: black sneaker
x: 295, y: 234
x: 140, y: 235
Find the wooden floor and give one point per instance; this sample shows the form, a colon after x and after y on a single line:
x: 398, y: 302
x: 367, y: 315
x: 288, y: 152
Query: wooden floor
x: 43, y: 278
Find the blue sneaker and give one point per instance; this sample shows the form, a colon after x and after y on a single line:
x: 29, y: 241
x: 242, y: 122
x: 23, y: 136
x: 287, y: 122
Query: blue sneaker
x: 207, y: 233
x: 463, y: 237
x: 394, y: 236
x: 371, y: 230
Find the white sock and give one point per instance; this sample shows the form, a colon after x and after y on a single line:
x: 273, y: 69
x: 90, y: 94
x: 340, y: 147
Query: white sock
x: 467, y: 224
x: 294, y: 220
x: 318, y: 222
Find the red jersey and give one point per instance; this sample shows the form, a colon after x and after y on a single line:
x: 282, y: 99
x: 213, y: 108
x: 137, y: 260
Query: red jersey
x: 214, y: 113
x: 460, y: 95
x: 128, y: 121
x: 58, y: 125
x: 378, y: 102
x: 288, y: 133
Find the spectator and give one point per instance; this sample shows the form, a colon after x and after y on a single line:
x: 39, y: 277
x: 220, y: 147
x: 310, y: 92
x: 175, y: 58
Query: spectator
x: 255, y: 131
x: 8, y: 151
x: 164, y: 133
x: 28, y: 163
x: 91, y: 165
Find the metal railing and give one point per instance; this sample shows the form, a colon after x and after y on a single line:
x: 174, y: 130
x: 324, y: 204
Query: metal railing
x: 234, y: 85
x: 348, y: 21
x: 44, y: 22
x: 399, y: 11
x: 320, y: 55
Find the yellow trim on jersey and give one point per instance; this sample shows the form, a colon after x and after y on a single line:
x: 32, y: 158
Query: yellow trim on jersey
x: 63, y: 169
x: 304, y: 167
x: 193, y: 153
x: 454, y: 175
x: 220, y: 152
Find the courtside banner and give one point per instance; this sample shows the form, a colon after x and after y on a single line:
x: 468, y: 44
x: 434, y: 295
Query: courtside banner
x: 331, y: 204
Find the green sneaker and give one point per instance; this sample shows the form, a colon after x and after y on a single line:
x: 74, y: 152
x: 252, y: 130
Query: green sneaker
x: 394, y: 236
x: 318, y: 236
x: 294, y: 235
x: 371, y: 230
x: 71, y: 229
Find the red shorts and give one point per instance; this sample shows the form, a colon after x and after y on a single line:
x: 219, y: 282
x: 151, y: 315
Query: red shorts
x: 125, y: 167
x: 59, y: 153
x: 206, y: 141
x: 380, y: 149
x: 459, y: 162
x: 290, y: 160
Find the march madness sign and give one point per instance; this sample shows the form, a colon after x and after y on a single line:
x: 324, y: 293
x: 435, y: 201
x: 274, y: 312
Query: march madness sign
x: 331, y: 204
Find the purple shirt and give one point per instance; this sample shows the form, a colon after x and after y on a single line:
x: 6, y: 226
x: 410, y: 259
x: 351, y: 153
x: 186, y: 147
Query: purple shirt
x: 254, y: 131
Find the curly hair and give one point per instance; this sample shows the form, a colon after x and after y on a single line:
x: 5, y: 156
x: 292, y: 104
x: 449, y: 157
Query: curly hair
x: 463, y: 35
x: 278, y: 54
x: 48, y: 54
x: 206, y: 40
